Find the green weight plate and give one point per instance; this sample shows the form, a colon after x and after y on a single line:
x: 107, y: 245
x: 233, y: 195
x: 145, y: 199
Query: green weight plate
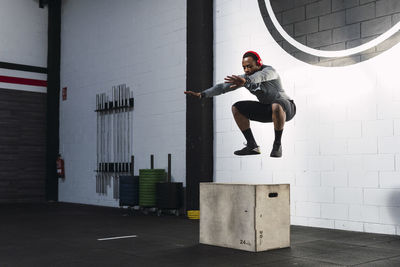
x: 150, y: 178
x: 148, y: 186
x: 147, y: 198
x: 152, y: 174
x: 148, y: 194
x: 155, y: 171
x: 154, y: 181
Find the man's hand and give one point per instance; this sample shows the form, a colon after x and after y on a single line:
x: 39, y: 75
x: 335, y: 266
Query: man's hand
x: 235, y: 80
x: 193, y: 93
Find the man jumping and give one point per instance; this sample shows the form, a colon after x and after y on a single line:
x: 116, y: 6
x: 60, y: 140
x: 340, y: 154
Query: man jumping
x: 273, y: 104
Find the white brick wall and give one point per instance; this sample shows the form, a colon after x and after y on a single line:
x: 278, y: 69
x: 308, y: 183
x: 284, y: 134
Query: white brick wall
x: 363, y: 213
x: 320, y: 163
x: 367, y: 145
x: 343, y: 146
x: 298, y: 220
x: 322, y: 223
x: 308, y: 209
x: 349, y: 195
x: 397, y: 162
x: 321, y: 194
x: 380, y: 228
x: 390, y: 109
x: 389, y: 215
x: 334, y: 211
x: 349, y: 163
x: 382, y: 197
x: 284, y: 177
x: 397, y: 126
x: 389, y: 180
x: 378, y: 128
x: 334, y: 179
x: 306, y: 147
x: 348, y: 129
x: 298, y: 194
x: 308, y: 178
x: 389, y: 145
x: 363, y: 179
x: 333, y: 147
x: 142, y: 44
x: 379, y: 162
x: 357, y: 112
x: 349, y: 226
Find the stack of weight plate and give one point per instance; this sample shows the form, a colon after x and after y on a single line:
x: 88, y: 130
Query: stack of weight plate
x: 128, y: 190
x: 193, y: 214
x: 148, y: 178
x: 169, y: 195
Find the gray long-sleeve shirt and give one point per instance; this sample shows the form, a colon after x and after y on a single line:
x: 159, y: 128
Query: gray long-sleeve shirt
x: 265, y: 84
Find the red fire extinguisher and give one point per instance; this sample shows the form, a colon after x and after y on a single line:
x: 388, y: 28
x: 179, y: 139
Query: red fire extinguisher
x: 60, y: 167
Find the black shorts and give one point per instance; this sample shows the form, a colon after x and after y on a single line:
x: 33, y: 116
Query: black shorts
x: 256, y: 111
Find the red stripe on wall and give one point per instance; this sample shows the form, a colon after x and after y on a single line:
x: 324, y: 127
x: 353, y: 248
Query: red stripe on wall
x: 17, y: 80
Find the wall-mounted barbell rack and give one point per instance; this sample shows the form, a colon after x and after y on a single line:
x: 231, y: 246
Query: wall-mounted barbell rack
x: 114, y: 137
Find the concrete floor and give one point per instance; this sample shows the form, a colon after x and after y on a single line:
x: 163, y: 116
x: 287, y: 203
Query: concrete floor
x: 60, y: 234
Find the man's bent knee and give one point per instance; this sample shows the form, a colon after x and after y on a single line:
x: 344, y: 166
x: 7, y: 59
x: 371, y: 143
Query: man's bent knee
x: 235, y: 110
x: 277, y: 108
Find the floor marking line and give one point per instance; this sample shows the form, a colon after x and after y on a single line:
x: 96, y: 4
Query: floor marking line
x: 117, y: 237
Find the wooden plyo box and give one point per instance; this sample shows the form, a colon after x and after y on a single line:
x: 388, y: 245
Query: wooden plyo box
x: 252, y: 217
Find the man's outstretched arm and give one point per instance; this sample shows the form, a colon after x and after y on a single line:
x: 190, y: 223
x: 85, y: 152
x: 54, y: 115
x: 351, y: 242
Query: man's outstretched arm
x: 193, y: 93
x: 252, y: 81
x: 217, y: 89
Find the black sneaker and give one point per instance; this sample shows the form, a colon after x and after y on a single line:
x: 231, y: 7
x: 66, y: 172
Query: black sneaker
x: 248, y: 151
x: 276, y: 151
